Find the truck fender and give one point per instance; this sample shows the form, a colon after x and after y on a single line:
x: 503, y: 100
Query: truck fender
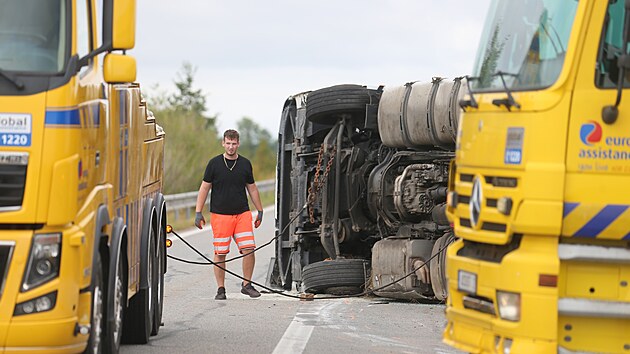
x: 102, y: 219
x: 148, y: 215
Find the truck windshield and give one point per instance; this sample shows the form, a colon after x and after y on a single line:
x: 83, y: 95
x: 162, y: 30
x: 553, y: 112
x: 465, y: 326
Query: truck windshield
x: 33, y: 35
x: 525, y: 41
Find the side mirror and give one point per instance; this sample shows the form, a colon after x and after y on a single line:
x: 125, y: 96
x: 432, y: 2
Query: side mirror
x: 611, y: 112
x: 119, y: 68
x: 124, y: 24
x: 119, y: 28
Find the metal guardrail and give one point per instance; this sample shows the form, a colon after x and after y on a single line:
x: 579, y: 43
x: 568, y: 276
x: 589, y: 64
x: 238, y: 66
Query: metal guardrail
x: 188, y: 200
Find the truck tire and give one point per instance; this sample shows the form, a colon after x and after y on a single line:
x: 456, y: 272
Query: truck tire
x: 437, y: 267
x: 141, y: 310
x: 158, y: 290
x: 340, y: 276
x: 325, y: 105
x: 97, y: 319
x: 116, y: 288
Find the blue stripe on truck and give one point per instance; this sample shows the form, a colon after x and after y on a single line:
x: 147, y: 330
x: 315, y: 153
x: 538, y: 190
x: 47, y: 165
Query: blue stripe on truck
x: 69, y: 117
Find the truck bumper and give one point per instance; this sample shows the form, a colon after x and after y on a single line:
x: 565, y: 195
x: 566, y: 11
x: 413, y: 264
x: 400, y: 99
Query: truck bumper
x: 55, y: 336
x: 482, y: 330
x: 473, y: 335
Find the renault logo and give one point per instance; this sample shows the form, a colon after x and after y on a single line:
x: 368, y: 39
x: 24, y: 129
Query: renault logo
x: 475, y: 202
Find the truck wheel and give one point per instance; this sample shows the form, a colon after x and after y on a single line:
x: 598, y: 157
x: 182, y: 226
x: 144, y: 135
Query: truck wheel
x: 95, y: 345
x: 159, y: 280
x: 437, y: 267
x: 141, y: 310
x: 117, y: 295
x: 326, y: 105
x: 340, y: 276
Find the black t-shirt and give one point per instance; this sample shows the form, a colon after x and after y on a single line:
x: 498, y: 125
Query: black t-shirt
x: 228, y: 186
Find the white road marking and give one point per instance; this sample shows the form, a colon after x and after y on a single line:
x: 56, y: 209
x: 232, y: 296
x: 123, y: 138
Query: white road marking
x: 299, y: 331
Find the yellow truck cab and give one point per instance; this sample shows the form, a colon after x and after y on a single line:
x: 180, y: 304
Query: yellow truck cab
x: 82, y: 216
x: 539, y: 195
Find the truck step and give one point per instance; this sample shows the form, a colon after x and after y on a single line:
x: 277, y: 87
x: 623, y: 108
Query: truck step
x: 593, y: 308
x: 599, y: 254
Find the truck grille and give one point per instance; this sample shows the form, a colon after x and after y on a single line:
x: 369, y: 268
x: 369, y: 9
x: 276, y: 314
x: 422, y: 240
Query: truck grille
x: 489, y: 252
x: 480, y: 304
x: 12, y: 179
x: 6, y: 250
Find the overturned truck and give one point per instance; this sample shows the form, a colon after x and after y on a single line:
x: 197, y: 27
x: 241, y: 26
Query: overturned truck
x: 361, y: 189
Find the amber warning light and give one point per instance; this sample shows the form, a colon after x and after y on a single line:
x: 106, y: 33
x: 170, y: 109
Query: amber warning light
x: 549, y: 280
x: 169, y: 229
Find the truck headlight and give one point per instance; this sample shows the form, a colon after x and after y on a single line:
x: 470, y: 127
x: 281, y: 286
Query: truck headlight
x: 43, y: 261
x: 39, y: 304
x: 509, y: 305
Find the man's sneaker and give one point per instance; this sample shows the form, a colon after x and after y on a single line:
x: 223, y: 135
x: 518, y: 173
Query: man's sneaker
x: 249, y: 290
x: 220, y: 294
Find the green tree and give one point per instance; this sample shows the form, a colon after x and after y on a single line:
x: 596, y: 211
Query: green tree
x: 265, y: 161
x: 187, y: 98
x: 191, y: 135
x: 251, y: 134
x: 256, y: 143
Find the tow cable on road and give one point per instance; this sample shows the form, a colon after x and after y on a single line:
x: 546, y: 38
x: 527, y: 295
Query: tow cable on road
x: 303, y: 296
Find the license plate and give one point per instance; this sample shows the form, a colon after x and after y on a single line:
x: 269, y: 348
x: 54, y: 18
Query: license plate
x: 467, y: 282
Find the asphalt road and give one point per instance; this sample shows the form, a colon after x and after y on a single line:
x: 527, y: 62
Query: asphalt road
x: 196, y: 323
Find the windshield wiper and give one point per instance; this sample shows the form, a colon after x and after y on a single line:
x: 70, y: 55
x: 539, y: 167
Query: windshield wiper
x: 508, y: 102
x: 14, y: 80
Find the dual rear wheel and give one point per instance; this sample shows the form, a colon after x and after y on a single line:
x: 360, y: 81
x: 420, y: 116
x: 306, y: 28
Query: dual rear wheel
x: 113, y: 320
x: 143, y: 317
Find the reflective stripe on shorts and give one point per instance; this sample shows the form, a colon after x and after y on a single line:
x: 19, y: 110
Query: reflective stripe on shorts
x: 226, y: 227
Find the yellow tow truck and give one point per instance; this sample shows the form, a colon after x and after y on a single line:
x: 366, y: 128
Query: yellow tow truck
x: 82, y: 216
x: 538, y: 193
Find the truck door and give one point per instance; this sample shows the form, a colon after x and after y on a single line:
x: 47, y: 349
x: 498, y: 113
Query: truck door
x: 598, y: 154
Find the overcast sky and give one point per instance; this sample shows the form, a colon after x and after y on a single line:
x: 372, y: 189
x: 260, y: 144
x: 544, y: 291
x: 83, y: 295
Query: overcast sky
x: 251, y: 55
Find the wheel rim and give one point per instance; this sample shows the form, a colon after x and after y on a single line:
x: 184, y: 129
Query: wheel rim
x: 97, y: 315
x: 118, y: 300
x: 160, y: 278
x: 150, y: 271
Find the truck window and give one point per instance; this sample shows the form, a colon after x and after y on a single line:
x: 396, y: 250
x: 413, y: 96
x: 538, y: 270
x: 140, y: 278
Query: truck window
x: 98, y: 23
x: 83, y: 28
x: 611, y: 47
x: 526, y: 41
x: 33, y: 35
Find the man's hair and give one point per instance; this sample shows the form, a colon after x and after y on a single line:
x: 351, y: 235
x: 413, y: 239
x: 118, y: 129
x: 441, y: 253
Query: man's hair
x: 231, y: 134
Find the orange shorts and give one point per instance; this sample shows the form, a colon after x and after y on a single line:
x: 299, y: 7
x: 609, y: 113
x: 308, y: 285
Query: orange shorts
x: 226, y: 227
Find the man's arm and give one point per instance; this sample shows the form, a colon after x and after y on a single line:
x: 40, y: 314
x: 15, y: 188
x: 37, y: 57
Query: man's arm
x: 253, y: 193
x: 201, y: 201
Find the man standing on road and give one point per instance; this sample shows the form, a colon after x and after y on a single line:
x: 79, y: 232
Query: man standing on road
x: 228, y: 175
